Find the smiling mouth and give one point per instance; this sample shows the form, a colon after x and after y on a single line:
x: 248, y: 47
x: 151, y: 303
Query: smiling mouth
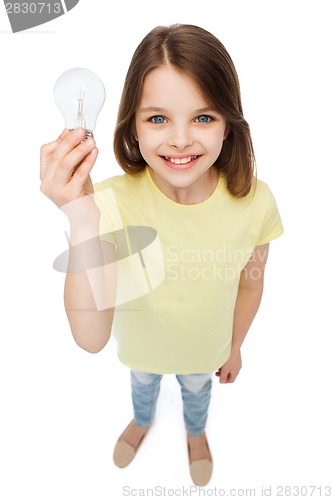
x: 181, y: 161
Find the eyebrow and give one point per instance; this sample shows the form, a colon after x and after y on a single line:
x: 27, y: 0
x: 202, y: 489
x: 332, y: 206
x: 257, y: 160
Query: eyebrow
x: 163, y: 110
x: 152, y: 108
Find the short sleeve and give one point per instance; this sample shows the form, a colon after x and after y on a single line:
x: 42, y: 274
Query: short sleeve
x: 272, y: 226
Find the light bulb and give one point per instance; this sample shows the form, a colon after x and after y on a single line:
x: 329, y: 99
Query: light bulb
x: 79, y: 95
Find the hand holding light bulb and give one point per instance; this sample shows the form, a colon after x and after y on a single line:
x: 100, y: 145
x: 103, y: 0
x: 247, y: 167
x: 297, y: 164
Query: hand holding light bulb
x: 79, y: 94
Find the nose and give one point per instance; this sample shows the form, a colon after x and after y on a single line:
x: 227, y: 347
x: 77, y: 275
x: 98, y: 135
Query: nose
x: 180, y: 137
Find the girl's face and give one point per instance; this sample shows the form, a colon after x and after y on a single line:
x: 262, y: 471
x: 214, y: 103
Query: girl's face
x: 179, y: 135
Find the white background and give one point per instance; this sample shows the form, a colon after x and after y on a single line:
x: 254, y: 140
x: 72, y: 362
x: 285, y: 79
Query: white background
x: 62, y: 409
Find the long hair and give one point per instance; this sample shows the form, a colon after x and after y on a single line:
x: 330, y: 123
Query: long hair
x: 202, y: 57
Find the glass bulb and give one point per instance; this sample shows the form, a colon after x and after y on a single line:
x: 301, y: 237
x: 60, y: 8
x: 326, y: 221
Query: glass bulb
x: 79, y: 95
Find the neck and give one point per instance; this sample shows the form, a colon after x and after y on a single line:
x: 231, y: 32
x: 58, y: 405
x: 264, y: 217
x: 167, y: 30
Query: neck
x: 197, y: 192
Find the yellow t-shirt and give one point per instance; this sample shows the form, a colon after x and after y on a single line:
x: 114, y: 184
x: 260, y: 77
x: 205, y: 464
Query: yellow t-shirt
x: 179, y: 268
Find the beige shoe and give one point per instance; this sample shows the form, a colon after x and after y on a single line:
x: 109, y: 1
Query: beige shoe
x: 201, y: 469
x: 124, y: 452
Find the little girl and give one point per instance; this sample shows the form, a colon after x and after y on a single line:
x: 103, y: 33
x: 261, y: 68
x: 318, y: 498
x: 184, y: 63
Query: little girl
x: 171, y: 254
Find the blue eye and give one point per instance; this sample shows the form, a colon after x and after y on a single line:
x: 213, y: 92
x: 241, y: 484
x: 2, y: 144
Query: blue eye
x: 203, y: 119
x: 157, y: 119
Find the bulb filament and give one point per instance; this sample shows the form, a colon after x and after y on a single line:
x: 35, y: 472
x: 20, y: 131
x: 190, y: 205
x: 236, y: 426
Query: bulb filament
x: 80, y: 121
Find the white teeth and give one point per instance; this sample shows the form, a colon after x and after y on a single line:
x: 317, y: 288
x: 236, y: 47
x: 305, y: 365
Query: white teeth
x: 180, y: 161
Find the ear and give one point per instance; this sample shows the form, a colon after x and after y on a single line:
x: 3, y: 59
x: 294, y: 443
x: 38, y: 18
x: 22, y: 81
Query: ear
x: 226, y: 131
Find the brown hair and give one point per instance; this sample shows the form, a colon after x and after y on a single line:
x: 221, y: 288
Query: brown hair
x: 204, y: 59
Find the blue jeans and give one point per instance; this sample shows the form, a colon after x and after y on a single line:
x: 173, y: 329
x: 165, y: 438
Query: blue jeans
x: 196, y: 392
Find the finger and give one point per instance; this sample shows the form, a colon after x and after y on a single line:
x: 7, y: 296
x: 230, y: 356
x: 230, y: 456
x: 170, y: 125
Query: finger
x: 63, y: 134
x: 64, y: 170
x: 47, y: 150
x: 231, y: 378
x: 67, y: 143
x: 60, y: 168
x: 77, y: 187
x: 232, y: 375
x: 224, y: 375
x: 51, y: 146
x: 80, y: 178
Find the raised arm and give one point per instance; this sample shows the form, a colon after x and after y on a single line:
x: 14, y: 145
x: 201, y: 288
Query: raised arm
x: 65, y: 179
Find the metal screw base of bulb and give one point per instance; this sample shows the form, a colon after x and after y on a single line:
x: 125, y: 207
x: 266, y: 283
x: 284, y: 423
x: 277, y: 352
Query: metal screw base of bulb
x: 89, y: 133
